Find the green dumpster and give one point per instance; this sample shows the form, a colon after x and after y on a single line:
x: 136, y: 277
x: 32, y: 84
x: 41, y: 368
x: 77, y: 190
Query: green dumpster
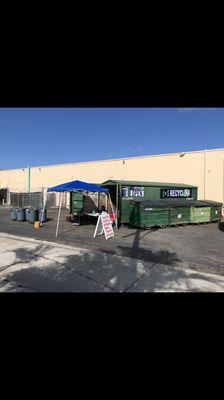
x: 216, y: 210
x: 148, y: 214
x: 179, y: 212
x: 200, y: 212
x: 76, y: 202
x: 122, y: 192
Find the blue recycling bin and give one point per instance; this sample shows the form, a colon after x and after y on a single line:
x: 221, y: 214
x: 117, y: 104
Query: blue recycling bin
x: 13, y: 213
x: 42, y: 215
x: 32, y: 215
x: 21, y: 216
x: 27, y: 213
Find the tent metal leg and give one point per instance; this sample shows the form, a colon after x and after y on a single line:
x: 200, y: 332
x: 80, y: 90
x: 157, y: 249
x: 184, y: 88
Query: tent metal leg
x: 44, y: 208
x: 59, y: 213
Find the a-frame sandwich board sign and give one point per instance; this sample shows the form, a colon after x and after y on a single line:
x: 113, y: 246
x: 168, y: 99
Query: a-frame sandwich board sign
x: 104, y: 223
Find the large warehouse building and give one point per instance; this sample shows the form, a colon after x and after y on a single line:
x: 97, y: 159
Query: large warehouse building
x: 204, y: 168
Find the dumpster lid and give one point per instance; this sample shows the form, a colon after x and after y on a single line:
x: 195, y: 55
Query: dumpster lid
x: 149, y: 203
x: 202, y: 203
x: 180, y: 202
x: 211, y: 202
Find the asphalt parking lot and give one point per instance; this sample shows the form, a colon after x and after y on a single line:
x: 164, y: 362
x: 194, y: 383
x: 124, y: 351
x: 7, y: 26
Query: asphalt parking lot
x: 199, y: 247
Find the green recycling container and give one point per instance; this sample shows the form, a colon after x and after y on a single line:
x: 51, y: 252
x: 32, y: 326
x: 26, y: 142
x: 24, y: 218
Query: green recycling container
x: 200, y: 212
x: 216, y: 213
x: 76, y: 202
x: 179, y: 212
x: 216, y: 210
x: 148, y: 214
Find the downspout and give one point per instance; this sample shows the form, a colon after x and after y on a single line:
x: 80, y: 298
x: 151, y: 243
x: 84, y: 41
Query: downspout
x: 117, y: 207
x: 28, y: 178
x: 204, y: 173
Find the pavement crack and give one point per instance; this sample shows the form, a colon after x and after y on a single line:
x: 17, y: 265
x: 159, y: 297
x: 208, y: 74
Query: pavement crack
x: 17, y: 285
x: 62, y: 264
x: 144, y: 273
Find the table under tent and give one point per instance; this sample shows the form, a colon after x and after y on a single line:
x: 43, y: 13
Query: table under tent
x: 79, y: 187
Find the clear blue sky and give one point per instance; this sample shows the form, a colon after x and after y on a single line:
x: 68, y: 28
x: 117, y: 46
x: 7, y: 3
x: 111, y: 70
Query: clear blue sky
x: 60, y: 135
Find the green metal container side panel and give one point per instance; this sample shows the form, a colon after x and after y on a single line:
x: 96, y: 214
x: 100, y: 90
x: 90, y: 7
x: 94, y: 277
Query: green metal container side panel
x: 145, y: 219
x: 134, y: 207
x: 155, y: 218
x: 216, y: 213
x: 126, y: 209
x: 216, y: 209
x: 154, y: 193
x: 150, y: 193
x: 200, y: 214
x: 76, y: 202
x: 135, y: 217
x: 195, y: 193
x: 180, y: 215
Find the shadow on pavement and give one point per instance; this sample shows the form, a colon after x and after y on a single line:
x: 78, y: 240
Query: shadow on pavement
x: 54, y: 269
x: 47, y: 268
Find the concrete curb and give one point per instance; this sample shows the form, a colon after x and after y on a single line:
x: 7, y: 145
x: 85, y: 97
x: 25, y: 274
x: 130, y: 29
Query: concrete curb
x: 38, y: 241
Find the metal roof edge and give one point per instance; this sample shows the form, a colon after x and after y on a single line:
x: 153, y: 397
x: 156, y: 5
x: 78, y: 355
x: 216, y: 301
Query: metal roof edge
x: 114, y: 159
x: 148, y: 183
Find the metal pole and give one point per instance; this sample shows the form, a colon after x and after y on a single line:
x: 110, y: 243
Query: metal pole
x: 98, y: 195
x: 112, y: 208
x: 44, y: 207
x: 59, y: 213
x: 8, y: 196
x: 117, y: 207
x: 107, y: 202
x: 28, y: 178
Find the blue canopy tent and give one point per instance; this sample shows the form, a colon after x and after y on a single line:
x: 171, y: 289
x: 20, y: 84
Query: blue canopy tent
x: 74, y: 186
x: 79, y: 186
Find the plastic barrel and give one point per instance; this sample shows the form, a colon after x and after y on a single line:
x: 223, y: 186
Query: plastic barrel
x: 42, y: 214
x: 13, y: 214
x: 32, y: 215
x: 27, y: 213
x: 21, y: 216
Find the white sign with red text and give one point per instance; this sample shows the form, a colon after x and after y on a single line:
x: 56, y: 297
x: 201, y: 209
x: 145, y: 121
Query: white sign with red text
x: 106, y: 226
